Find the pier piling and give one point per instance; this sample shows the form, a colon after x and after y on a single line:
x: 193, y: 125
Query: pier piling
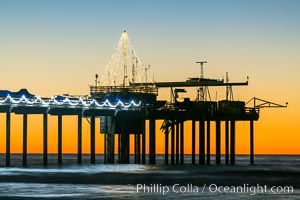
x: 59, y: 144
x: 111, y: 140
x: 172, y: 143
x: 138, y: 148
x: 125, y: 141
x: 143, y: 142
x: 24, y: 139
x: 226, y: 142
x: 8, y: 139
x: 166, y: 147
x: 135, y: 148
x: 79, y: 139
x: 119, y: 147
x: 218, y: 142
x: 182, y: 142
x: 208, y: 142
x: 152, y: 160
x: 232, y: 142
x: 45, y: 139
x: 251, y: 142
x: 193, y: 141
x: 201, y: 142
x: 92, y: 145
x: 177, y: 142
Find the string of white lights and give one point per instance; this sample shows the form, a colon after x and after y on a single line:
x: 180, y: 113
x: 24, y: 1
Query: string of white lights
x: 67, y: 102
x: 113, y: 74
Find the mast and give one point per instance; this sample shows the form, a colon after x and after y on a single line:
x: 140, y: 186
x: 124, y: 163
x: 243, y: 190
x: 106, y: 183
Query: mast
x: 134, y: 66
x: 201, y: 92
x: 125, y: 58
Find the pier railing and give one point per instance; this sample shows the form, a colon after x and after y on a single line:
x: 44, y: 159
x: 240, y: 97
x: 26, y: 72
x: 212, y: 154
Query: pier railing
x: 66, y: 102
x: 118, y: 89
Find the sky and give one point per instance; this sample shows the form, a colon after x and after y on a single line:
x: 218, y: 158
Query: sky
x: 56, y: 47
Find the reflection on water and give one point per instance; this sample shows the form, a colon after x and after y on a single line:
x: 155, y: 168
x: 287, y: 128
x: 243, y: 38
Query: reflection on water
x: 34, y: 188
x: 83, y: 169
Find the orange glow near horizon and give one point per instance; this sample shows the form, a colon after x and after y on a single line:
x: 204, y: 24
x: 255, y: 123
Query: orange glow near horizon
x: 263, y: 143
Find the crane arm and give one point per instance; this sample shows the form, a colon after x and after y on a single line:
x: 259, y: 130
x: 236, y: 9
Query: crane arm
x: 260, y: 103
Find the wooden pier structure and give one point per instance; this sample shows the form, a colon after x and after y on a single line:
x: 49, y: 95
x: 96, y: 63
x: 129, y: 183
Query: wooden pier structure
x: 124, y: 117
x: 124, y: 110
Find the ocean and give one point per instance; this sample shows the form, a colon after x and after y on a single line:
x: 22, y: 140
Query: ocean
x: 273, y: 176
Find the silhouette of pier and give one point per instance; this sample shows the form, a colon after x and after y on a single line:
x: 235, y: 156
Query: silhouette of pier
x: 126, y: 109
x: 129, y: 117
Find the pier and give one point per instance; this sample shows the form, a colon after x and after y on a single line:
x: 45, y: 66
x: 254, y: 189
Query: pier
x: 125, y: 110
x: 123, y: 119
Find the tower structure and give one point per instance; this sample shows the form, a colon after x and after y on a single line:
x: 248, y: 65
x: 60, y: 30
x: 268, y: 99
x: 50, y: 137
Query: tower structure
x: 201, y: 90
x: 124, y: 37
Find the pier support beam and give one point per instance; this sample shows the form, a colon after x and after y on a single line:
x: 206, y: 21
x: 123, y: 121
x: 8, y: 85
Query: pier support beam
x: 152, y: 159
x: 232, y: 142
x: 127, y: 158
x: 193, y: 141
x: 45, y: 139
x: 24, y: 139
x: 251, y: 142
x: 166, y: 146
x: 93, y: 142
x: 124, y: 145
x: 201, y: 142
x: 172, y: 143
x: 59, y: 148
x: 125, y: 148
x: 110, y: 145
x: 137, y: 152
x: 105, y: 141
x: 119, y: 148
x: 7, y: 139
x: 111, y: 148
x: 208, y: 142
x: 135, y: 148
x: 143, y: 143
x: 138, y: 148
x: 227, y: 142
x: 79, y: 140
x: 182, y: 142
x: 218, y: 142
x: 177, y: 141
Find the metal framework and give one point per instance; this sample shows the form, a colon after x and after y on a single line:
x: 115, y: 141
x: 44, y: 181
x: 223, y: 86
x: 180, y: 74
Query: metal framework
x: 260, y: 103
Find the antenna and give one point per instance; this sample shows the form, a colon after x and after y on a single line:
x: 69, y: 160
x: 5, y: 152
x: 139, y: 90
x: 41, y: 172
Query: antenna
x: 125, y: 57
x: 201, y: 67
x: 153, y: 78
x: 229, y: 91
x: 201, y: 92
x: 146, y: 69
x: 96, y: 80
x: 134, y: 66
